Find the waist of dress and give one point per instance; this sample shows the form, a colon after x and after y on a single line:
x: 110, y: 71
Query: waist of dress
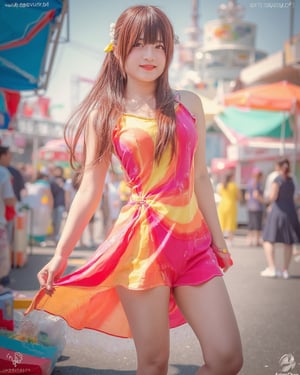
x: 141, y: 199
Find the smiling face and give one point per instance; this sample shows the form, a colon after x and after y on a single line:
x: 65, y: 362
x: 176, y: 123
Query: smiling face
x: 146, y: 62
x: 144, y: 42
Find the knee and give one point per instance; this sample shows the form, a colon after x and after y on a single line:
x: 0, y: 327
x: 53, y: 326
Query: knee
x: 234, y: 364
x: 226, y: 362
x: 154, y: 362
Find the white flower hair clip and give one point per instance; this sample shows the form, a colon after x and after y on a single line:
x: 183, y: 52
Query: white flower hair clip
x: 110, y: 46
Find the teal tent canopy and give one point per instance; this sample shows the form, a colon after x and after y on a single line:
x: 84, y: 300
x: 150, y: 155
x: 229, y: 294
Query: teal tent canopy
x: 252, y: 123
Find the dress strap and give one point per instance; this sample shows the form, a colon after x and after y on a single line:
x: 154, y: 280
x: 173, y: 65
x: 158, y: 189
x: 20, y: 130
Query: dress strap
x: 177, y: 96
x: 178, y: 102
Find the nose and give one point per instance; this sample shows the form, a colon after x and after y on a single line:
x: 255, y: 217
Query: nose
x: 148, y: 52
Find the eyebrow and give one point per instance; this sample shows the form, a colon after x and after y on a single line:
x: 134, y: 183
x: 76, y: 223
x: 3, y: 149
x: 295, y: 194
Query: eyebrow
x: 157, y: 41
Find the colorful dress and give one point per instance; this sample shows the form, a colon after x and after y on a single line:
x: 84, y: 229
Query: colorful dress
x: 228, y: 206
x: 160, y: 237
x: 282, y: 224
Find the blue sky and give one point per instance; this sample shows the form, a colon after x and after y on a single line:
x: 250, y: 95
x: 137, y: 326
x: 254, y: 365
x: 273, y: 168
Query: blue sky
x: 89, y: 34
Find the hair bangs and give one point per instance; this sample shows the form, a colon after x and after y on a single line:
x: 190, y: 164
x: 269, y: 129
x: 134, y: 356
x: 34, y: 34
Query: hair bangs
x: 153, y: 31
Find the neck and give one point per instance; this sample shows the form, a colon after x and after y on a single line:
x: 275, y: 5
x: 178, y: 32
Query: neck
x: 140, y: 99
x: 140, y: 90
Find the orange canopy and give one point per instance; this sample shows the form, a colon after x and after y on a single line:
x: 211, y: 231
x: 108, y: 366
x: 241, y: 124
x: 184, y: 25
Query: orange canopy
x: 278, y: 96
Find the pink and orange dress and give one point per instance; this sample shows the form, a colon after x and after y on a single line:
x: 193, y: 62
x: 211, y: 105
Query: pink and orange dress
x: 160, y: 237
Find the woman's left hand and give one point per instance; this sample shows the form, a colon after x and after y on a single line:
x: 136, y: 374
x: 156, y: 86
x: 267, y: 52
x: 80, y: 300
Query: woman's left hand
x: 223, y: 257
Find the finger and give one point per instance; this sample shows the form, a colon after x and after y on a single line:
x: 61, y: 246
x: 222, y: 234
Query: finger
x: 49, y: 284
x: 229, y: 263
x: 226, y: 268
x: 42, y: 277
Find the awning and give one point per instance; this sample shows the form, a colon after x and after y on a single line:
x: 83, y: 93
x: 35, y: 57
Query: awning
x: 28, y: 38
x: 250, y: 123
x: 278, y: 96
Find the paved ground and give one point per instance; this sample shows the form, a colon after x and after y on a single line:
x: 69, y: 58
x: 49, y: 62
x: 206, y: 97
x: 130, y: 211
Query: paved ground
x: 268, y: 313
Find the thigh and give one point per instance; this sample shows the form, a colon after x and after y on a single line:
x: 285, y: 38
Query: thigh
x: 147, y: 314
x: 258, y: 220
x: 208, y: 310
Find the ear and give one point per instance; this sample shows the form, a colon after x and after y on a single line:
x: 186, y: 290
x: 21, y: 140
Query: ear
x: 115, y: 53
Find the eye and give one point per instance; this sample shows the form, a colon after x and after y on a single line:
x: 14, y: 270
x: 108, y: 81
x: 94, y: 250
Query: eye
x: 138, y: 43
x: 160, y: 45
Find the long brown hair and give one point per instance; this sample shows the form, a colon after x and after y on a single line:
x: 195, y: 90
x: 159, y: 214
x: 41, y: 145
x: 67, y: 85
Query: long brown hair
x: 107, y: 94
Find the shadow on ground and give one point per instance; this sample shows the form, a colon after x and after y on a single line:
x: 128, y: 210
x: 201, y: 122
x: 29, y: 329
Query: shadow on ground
x: 75, y: 370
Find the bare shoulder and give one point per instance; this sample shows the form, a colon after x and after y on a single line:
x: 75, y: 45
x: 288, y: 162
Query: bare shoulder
x: 93, y: 114
x: 90, y: 129
x: 192, y: 102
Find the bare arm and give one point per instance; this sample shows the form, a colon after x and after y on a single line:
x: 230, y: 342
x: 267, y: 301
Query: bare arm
x: 86, y: 200
x: 273, y: 192
x: 82, y: 208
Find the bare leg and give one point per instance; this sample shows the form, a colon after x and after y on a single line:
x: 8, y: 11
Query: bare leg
x: 257, y: 237
x: 147, y: 313
x: 288, y: 252
x: 208, y: 310
x: 270, y: 254
x: 250, y: 240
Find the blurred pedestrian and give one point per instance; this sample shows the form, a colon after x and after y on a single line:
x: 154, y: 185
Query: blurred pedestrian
x: 5, y: 160
x: 59, y: 192
x: 40, y: 200
x: 254, y: 197
x: 158, y: 268
x: 18, y: 183
x: 282, y: 224
x: 271, y: 177
x: 269, y: 181
x: 229, y: 195
x: 7, y: 199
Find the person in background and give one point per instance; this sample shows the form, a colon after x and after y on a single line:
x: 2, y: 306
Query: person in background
x: 282, y: 224
x: 7, y: 199
x: 18, y: 183
x: 162, y: 263
x: 229, y: 195
x: 255, y: 207
x: 40, y: 200
x: 5, y: 160
x: 57, y: 185
x: 26, y: 171
x: 271, y: 177
x: 269, y: 181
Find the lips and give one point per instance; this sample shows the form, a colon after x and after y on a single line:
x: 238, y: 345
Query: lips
x: 148, y: 67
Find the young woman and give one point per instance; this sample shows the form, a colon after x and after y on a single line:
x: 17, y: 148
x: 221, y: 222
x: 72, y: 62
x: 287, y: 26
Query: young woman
x: 255, y: 207
x: 158, y: 268
x: 228, y: 206
x: 282, y: 224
